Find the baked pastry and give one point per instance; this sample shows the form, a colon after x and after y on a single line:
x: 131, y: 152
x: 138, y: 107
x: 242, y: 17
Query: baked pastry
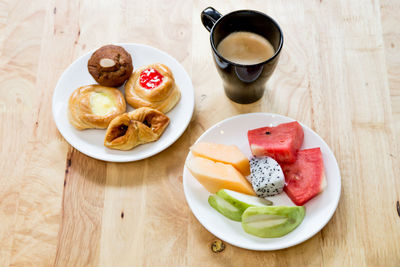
x: 140, y: 126
x: 94, y: 106
x: 152, y: 86
x: 110, y: 65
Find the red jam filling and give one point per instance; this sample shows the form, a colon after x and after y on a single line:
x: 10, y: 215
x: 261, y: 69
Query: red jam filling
x: 150, y: 78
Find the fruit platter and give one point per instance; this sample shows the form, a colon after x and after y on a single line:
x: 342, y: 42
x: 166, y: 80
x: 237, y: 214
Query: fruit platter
x: 261, y: 181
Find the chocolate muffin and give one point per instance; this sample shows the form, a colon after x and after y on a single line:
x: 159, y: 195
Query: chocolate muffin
x: 110, y: 65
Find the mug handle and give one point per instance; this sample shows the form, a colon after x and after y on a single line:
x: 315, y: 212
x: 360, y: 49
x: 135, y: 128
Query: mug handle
x: 209, y: 16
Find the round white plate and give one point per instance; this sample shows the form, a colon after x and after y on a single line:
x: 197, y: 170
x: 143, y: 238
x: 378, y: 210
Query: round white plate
x: 319, y: 210
x: 90, y: 142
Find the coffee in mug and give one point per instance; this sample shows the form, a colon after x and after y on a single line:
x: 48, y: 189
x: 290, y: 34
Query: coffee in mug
x: 245, y: 48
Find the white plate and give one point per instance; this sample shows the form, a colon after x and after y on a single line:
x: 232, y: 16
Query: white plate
x: 90, y: 142
x: 319, y: 210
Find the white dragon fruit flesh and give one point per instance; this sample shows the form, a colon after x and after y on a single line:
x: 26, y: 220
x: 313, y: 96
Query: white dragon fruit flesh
x: 267, y: 177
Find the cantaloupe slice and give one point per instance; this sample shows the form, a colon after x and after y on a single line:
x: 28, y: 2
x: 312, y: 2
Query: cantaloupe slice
x: 229, y: 154
x: 215, y: 176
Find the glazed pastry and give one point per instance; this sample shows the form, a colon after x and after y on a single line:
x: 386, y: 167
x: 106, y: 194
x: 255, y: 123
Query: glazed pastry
x: 152, y: 86
x: 110, y: 65
x: 140, y: 126
x: 94, y: 106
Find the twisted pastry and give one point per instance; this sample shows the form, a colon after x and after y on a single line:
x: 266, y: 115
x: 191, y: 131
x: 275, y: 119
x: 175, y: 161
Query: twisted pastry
x: 152, y: 86
x: 94, y: 106
x: 131, y: 129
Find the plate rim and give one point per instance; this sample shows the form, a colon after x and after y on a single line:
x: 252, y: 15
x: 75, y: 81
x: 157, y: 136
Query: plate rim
x: 288, y: 244
x: 163, y: 147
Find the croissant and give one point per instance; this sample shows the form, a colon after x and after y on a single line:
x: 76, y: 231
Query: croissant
x: 94, y: 106
x: 140, y: 126
x: 152, y: 86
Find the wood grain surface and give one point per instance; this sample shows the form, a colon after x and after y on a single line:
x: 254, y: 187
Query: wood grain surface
x: 339, y: 73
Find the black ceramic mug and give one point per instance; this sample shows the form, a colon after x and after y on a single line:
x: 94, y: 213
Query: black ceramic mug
x: 243, y: 83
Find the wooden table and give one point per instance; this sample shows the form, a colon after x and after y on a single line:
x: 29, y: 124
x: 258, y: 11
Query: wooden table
x: 338, y: 73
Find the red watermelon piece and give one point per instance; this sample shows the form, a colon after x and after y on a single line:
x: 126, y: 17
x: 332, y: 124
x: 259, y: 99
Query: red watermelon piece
x: 305, y: 178
x: 280, y: 142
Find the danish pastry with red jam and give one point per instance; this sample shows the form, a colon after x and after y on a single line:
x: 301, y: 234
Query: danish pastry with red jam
x: 152, y: 86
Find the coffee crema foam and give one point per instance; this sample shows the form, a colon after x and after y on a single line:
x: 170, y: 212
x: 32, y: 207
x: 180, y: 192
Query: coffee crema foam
x: 246, y: 48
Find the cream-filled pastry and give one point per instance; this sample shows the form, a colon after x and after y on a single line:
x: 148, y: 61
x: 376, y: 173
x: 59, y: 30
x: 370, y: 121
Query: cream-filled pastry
x: 152, y: 86
x: 140, y: 126
x: 102, y: 104
x: 94, y: 106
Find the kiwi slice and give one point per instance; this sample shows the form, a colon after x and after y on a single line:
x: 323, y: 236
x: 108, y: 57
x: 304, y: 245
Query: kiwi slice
x: 232, y: 204
x: 273, y: 221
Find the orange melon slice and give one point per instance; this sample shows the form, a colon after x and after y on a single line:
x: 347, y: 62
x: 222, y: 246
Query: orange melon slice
x: 228, y: 154
x: 215, y: 176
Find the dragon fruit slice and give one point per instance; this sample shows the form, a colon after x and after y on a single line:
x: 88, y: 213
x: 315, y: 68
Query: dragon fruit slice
x: 267, y: 177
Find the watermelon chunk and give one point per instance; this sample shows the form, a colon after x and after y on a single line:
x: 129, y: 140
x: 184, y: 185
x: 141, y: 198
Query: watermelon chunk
x: 305, y: 178
x: 280, y: 142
